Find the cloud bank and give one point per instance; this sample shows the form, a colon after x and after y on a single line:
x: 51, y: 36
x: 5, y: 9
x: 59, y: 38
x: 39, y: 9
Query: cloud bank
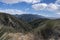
x: 13, y: 11
x: 17, y: 1
x: 42, y: 6
x: 39, y: 6
x: 53, y: 7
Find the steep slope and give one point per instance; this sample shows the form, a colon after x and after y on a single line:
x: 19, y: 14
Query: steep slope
x: 10, y: 24
x: 9, y: 20
x: 47, y: 28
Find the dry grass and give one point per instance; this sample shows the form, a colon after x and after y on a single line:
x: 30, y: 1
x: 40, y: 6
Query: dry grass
x: 20, y: 36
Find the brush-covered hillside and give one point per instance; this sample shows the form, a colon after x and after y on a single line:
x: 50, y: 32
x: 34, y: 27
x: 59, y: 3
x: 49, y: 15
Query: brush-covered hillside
x: 12, y: 28
x: 10, y: 24
x: 47, y: 28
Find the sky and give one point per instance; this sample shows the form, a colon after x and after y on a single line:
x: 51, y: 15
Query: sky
x: 47, y: 8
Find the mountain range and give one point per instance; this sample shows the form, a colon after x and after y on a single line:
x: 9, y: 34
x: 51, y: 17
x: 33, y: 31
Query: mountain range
x: 29, y: 17
x: 28, y: 27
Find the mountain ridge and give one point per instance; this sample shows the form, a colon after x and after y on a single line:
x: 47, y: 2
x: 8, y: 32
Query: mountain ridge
x: 29, y: 17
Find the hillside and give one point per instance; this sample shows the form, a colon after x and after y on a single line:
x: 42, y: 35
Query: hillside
x: 12, y: 28
x: 10, y: 24
x: 9, y: 20
x: 47, y: 28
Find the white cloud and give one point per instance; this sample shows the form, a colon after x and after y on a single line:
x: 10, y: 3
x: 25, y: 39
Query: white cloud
x: 13, y: 11
x: 48, y: 7
x: 39, y: 6
x: 58, y: 5
x: 17, y: 1
x: 44, y: 15
x: 42, y: 6
x: 57, y: 13
x: 57, y: 2
x: 52, y: 6
x: 31, y: 1
x: 10, y: 1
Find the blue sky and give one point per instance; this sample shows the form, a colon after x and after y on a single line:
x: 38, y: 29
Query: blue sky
x: 48, y: 8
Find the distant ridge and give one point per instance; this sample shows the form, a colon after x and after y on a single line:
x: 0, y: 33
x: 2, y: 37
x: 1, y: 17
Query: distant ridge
x: 29, y: 17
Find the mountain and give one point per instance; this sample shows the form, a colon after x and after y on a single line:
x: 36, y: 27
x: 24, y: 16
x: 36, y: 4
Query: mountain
x: 48, y: 28
x: 9, y: 20
x: 10, y: 24
x: 29, y: 17
x: 12, y: 27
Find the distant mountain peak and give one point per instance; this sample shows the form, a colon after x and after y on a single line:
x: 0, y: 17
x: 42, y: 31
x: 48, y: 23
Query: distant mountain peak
x: 29, y: 17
